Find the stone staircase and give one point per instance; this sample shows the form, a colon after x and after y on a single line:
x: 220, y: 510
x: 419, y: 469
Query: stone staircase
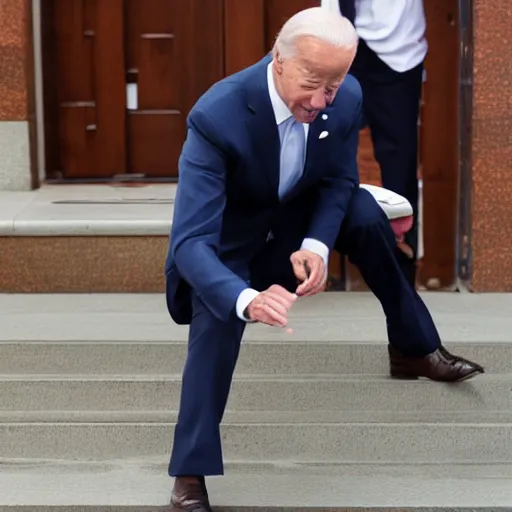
x: 89, y: 389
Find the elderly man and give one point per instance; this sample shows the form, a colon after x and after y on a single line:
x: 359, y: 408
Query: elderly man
x: 268, y: 186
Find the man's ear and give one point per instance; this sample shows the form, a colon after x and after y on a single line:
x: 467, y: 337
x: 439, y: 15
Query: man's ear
x: 278, y: 61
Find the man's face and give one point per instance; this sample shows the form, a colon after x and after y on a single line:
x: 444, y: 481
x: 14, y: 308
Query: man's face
x: 309, y: 80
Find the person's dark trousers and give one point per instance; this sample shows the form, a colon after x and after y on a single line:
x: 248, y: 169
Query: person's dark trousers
x: 367, y: 239
x: 213, y: 349
x: 391, y: 108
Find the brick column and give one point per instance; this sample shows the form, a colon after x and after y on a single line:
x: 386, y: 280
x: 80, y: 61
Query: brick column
x: 491, y: 211
x: 17, y: 116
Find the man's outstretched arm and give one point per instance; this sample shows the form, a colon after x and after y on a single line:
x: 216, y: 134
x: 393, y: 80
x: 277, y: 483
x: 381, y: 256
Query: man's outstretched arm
x: 197, y: 222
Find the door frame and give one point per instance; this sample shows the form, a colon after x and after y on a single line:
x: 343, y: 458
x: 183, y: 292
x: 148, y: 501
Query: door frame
x: 463, y: 248
x: 46, y: 86
x: 38, y: 89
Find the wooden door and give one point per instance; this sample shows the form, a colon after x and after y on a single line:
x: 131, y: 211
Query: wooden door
x: 164, y: 52
x: 84, y: 88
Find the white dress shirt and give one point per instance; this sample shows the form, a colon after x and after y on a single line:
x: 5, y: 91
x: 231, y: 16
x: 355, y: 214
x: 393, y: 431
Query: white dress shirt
x: 282, y: 113
x: 393, y: 29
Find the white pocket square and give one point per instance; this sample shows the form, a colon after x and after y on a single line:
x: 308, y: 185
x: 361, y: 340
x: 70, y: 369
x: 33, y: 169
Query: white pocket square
x: 323, y: 135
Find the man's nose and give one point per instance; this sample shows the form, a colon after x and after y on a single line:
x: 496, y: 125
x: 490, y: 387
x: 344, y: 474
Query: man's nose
x: 318, y: 101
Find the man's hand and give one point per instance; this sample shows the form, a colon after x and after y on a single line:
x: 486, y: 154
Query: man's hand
x: 309, y: 268
x: 271, y: 306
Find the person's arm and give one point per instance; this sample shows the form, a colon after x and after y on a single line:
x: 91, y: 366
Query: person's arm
x: 197, y: 221
x: 243, y: 301
x: 310, y: 244
x: 335, y: 190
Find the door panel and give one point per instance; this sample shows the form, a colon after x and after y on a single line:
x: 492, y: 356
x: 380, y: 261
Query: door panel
x: 71, y: 22
x: 90, y: 100
x: 202, y: 61
x: 158, y: 68
x: 171, y: 51
x: 151, y: 53
x: 110, y: 89
x: 91, y: 105
x: 153, y: 44
x: 244, y: 29
x: 77, y: 144
x: 75, y: 99
x: 151, y: 133
x: 174, y: 53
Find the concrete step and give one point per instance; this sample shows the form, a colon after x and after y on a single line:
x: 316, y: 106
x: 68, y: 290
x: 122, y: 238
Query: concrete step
x: 119, y: 236
x: 279, y: 486
x: 300, y: 439
x: 256, y: 393
x: 329, y: 317
x: 266, y: 417
x: 277, y: 357
x: 333, y: 333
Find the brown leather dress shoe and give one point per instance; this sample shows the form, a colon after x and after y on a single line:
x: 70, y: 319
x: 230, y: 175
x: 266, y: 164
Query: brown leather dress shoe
x: 440, y: 365
x: 190, y: 494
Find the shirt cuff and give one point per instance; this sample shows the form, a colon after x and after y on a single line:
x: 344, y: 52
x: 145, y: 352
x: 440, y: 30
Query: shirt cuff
x: 244, y: 299
x: 310, y: 244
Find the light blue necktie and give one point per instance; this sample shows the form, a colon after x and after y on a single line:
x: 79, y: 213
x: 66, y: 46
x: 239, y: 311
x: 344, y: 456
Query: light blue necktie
x: 293, y: 147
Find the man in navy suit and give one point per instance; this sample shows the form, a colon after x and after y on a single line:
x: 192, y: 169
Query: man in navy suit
x: 268, y: 186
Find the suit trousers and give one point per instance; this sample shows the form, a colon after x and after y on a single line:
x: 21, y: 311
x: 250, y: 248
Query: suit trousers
x: 391, y: 102
x: 213, y: 348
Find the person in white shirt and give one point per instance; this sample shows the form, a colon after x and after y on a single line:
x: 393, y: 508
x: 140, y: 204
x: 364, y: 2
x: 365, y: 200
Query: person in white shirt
x: 389, y: 67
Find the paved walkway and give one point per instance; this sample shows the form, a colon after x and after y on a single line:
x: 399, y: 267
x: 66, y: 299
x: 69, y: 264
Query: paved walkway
x: 332, y: 316
x: 281, y: 488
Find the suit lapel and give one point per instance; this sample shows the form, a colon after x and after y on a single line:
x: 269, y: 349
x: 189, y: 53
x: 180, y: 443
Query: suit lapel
x: 314, y: 149
x: 314, y: 145
x: 262, y: 126
x: 315, y: 129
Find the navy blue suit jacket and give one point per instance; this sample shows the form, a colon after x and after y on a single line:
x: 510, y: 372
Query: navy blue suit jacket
x: 227, y: 198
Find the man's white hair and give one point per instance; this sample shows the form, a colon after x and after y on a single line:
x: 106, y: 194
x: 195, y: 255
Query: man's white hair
x: 315, y: 22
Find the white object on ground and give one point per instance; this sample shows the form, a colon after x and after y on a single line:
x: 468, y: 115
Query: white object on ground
x: 394, y: 205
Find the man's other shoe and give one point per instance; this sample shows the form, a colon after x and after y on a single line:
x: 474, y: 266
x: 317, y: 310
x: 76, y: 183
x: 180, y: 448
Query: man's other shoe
x: 440, y: 366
